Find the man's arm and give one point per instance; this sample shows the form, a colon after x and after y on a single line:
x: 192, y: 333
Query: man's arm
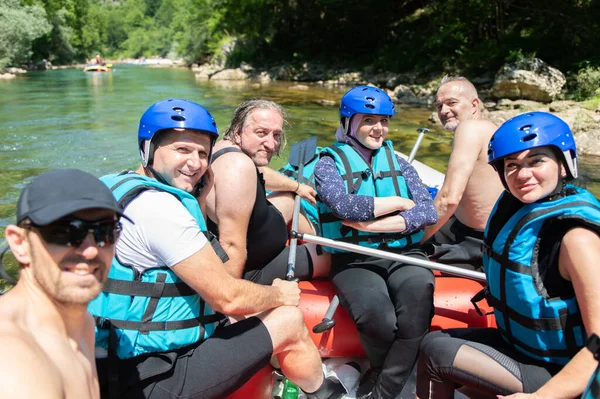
x: 204, y: 272
x: 275, y: 181
x: 233, y: 201
x: 466, y: 147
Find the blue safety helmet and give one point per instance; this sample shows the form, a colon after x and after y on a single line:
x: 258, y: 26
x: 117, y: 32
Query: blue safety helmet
x: 532, y: 130
x: 173, y: 114
x: 366, y: 100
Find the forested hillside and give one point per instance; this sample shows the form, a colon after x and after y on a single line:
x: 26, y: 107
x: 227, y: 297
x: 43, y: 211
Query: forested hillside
x: 395, y: 35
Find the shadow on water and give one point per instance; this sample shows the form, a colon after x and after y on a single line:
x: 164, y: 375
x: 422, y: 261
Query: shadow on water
x: 68, y: 118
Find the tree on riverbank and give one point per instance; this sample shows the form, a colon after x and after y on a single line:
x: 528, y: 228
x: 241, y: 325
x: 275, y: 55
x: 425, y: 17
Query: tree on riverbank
x: 424, y: 36
x: 19, y: 26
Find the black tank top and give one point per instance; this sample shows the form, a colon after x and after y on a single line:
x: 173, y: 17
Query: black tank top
x: 267, y: 231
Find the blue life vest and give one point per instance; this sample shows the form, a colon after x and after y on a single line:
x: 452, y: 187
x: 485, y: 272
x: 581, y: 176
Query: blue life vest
x: 592, y: 391
x: 381, y: 179
x: 154, y: 311
x: 308, y: 178
x: 543, y: 327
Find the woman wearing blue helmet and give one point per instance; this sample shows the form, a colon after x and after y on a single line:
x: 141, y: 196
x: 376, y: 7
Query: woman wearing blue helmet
x: 541, y: 247
x: 371, y: 197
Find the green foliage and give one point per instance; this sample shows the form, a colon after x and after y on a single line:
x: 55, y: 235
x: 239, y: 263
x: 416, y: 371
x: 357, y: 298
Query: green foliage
x: 19, y: 26
x: 425, y: 36
x: 586, y: 82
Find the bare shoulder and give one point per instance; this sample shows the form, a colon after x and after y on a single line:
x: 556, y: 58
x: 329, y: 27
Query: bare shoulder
x: 579, y: 251
x: 234, y: 162
x: 481, y: 128
x: 22, y: 360
x: 582, y: 239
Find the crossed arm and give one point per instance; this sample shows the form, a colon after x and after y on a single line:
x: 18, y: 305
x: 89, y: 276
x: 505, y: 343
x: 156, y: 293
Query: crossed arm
x: 369, y: 213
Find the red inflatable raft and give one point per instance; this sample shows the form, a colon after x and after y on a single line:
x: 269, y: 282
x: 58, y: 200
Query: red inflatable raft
x: 453, y: 309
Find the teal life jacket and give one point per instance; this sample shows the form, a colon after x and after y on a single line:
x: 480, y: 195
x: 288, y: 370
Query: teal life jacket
x: 592, y: 391
x: 308, y: 178
x: 381, y: 179
x: 543, y: 327
x: 152, y: 311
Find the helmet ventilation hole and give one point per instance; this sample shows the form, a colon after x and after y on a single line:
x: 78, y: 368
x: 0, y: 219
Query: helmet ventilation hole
x: 370, y: 106
x: 525, y: 128
x: 529, y: 137
x: 178, y: 118
x: 177, y: 109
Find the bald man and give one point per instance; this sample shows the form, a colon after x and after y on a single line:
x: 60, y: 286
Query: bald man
x: 471, y: 187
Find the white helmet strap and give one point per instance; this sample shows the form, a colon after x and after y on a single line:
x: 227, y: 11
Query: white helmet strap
x: 146, y: 152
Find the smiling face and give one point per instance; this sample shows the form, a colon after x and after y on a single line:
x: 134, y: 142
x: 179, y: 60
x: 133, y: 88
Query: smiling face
x: 533, y: 174
x: 70, y: 275
x: 372, y: 131
x: 456, y: 102
x: 181, y: 157
x: 261, y: 135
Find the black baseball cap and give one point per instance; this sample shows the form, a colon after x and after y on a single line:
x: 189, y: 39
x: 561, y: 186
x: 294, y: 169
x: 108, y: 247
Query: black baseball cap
x: 60, y: 192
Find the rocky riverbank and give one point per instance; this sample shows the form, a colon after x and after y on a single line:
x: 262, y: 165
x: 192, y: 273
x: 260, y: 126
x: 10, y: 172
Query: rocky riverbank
x: 529, y: 85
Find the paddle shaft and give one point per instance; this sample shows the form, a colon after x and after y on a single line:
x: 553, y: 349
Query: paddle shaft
x: 290, y: 274
x: 415, y: 148
x: 304, y: 148
x: 326, y: 242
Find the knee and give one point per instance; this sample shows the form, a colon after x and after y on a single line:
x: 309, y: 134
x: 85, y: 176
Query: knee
x: 418, y: 288
x: 373, y: 313
x: 437, y: 351
x: 287, y: 324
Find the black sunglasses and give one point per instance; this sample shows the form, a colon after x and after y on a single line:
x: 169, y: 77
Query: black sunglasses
x: 72, y: 232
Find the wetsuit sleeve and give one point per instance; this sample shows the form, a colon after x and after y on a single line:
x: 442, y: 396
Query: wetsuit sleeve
x: 332, y: 192
x: 423, y: 213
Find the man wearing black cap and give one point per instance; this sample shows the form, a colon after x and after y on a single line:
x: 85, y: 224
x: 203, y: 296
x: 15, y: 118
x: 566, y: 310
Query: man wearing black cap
x: 64, y: 240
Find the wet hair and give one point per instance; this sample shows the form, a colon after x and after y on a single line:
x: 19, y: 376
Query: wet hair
x: 240, y: 117
x: 459, y: 79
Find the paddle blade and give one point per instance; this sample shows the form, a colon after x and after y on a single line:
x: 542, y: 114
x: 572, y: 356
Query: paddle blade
x: 301, y: 153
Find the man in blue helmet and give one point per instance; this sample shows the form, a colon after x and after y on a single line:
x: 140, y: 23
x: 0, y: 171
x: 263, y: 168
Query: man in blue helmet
x: 158, y: 330
x: 251, y: 229
x: 470, y: 186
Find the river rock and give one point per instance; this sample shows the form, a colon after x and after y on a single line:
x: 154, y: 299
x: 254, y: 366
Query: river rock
x: 347, y: 78
x: 42, y: 65
x: 16, y: 71
x: 405, y: 95
x: 282, y: 72
x: 7, y: 76
x: 298, y: 87
x: 205, y: 71
x: 529, y: 79
x: 521, y: 105
x: 264, y: 77
x: 230, y: 74
x: 328, y: 103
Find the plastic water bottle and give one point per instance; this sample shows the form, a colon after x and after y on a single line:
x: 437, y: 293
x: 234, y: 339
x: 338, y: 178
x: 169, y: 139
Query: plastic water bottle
x: 290, y: 390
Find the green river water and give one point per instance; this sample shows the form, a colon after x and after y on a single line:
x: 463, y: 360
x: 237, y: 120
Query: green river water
x: 68, y: 118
